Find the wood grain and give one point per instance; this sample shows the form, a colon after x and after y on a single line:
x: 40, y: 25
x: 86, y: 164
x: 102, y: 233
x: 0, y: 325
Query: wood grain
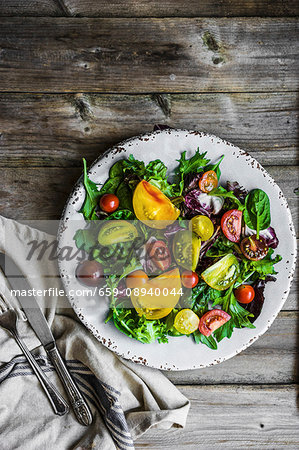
x: 145, y: 8
x: 40, y: 193
x: 148, y: 55
x: 233, y: 417
x: 271, y: 359
x: 57, y: 130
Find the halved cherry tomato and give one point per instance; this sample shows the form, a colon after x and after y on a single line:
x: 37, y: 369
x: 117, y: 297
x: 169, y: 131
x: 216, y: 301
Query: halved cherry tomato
x: 208, y: 181
x: 136, y: 279
x: 189, y: 279
x: 159, y: 253
x: 109, y: 203
x: 231, y: 223
x: 186, y: 321
x: 212, y: 320
x: 202, y: 226
x: 244, y: 293
x: 152, y: 207
x: 254, y: 248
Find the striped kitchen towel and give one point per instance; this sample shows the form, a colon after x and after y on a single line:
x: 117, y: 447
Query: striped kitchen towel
x: 126, y: 399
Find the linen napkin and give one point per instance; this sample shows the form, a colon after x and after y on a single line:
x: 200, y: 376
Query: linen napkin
x: 126, y: 399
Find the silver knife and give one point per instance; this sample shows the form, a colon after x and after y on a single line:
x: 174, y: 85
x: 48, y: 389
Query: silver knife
x: 39, y: 324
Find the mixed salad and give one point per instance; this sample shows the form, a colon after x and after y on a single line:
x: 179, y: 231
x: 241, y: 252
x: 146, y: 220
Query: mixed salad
x: 190, y: 257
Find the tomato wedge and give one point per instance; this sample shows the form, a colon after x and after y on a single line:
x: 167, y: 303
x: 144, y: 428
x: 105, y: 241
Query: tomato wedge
x: 245, y: 293
x: 152, y: 207
x: 212, y: 320
x: 231, y: 223
x: 159, y: 253
x: 254, y: 248
x: 158, y: 296
x: 208, y: 181
x: 136, y: 279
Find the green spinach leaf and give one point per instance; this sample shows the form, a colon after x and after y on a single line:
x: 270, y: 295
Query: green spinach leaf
x: 85, y: 240
x: 124, y: 195
x: 209, y: 341
x: 257, y: 210
x: 91, y: 196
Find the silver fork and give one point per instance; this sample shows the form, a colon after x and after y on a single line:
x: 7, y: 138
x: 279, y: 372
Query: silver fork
x: 8, y: 320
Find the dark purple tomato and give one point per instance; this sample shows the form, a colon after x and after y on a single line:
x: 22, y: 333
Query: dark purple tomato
x: 90, y: 273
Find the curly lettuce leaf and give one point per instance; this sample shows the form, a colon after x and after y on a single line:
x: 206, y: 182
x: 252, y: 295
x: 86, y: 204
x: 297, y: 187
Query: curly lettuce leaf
x: 194, y: 164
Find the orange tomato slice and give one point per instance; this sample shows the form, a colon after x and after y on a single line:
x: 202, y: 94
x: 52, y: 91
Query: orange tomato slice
x: 152, y: 207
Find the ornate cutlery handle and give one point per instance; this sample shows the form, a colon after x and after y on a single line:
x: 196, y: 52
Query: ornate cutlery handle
x: 59, y: 404
x: 79, y: 404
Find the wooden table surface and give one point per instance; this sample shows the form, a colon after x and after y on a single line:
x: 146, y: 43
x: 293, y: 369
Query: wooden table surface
x: 78, y: 76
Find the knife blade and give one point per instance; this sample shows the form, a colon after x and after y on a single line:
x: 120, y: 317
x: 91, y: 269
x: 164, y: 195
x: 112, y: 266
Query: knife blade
x: 41, y: 328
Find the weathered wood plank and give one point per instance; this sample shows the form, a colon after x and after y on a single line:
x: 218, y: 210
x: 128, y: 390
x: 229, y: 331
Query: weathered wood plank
x: 40, y: 193
x: 233, y: 417
x: 271, y: 359
x: 56, y: 130
x: 145, y: 8
x: 31, y: 8
x: 148, y: 55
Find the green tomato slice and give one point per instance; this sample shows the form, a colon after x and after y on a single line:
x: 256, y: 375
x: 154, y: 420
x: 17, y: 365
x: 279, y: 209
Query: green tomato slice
x: 186, y: 248
x: 115, y: 231
x: 223, y: 273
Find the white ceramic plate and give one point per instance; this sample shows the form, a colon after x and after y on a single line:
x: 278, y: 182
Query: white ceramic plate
x: 182, y: 353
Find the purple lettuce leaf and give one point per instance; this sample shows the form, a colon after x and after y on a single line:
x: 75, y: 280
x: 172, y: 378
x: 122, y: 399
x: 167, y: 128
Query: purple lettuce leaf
x: 197, y: 202
x: 238, y: 190
x: 191, y: 181
x: 255, y: 307
x: 172, y: 229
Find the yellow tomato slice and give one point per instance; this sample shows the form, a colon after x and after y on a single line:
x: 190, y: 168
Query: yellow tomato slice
x: 186, y: 321
x: 158, y: 297
x: 152, y: 207
x: 202, y: 226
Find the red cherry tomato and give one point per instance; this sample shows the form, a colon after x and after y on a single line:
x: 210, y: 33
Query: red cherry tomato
x: 90, y: 273
x: 159, y: 253
x: 212, y: 320
x: 231, y: 223
x: 254, y: 248
x: 244, y: 293
x: 208, y: 181
x: 109, y: 203
x: 189, y: 279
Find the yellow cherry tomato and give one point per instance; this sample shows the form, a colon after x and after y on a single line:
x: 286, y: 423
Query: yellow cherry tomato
x: 152, y: 207
x: 186, y: 321
x: 157, y: 298
x: 202, y: 226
